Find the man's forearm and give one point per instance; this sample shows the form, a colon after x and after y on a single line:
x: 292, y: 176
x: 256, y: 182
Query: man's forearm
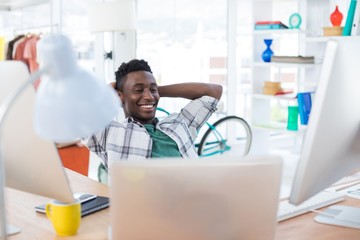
x: 191, y: 90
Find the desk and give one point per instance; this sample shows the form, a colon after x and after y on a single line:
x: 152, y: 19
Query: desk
x: 33, y: 225
x: 21, y: 213
x: 304, y: 227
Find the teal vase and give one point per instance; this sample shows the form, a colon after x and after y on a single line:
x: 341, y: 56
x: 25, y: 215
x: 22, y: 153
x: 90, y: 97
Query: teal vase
x: 266, y: 55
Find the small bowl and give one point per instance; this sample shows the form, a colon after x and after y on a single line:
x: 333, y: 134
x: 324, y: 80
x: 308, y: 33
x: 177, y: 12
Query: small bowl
x: 333, y: 31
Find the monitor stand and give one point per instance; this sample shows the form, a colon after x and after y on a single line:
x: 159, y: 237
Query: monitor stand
x: 340, y: 215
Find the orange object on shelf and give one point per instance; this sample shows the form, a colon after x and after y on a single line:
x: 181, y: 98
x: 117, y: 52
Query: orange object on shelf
x: 336, y: 17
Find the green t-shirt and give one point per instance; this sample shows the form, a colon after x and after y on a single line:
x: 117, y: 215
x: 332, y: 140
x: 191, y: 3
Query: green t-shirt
x: 163, y: 145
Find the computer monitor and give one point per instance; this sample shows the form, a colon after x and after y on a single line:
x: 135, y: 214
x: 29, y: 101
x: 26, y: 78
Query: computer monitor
x: 331, y: 147
x: 222, y: 197
x: 32, y: 164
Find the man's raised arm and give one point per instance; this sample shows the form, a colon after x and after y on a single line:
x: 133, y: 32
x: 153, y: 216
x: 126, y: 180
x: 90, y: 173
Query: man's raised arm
x: 191, y: 90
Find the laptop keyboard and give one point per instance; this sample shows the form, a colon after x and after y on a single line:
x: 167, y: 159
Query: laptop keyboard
x: 287, y: 210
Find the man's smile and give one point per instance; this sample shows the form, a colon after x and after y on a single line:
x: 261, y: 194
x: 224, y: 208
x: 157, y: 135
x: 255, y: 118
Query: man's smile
x: 147, y: 106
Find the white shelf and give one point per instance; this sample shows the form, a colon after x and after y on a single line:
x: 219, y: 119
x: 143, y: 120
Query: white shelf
x: 288, y: 97
x: 317, y: 39
x: 284, y: 65
x: 278, y: 31
x: 321, y: 39
x: 278, y: 127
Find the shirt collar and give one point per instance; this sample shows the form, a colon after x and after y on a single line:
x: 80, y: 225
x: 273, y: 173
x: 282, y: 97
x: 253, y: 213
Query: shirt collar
x: 132, y: 120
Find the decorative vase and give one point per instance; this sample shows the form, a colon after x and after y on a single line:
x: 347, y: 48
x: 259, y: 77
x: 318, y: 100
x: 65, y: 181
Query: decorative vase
x: 336, y: 17
x: 266, y: 55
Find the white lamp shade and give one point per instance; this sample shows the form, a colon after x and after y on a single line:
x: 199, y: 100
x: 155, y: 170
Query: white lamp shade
x: 112, y: 16
x: 70, y: 102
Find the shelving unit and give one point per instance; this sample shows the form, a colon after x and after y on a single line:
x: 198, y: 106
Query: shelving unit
x: 269, y: 113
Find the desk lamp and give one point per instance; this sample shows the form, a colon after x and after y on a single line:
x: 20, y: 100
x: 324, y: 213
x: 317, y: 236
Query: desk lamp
x: 70, y: 102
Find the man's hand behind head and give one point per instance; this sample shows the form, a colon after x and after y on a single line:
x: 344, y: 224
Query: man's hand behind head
x: 113, y: 85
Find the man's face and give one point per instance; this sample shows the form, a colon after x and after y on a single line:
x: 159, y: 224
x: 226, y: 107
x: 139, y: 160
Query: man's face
x: 140, y: 96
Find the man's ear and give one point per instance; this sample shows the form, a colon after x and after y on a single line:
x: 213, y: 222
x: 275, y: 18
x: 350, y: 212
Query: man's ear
x: 121, y: 96
x: 113, y: 85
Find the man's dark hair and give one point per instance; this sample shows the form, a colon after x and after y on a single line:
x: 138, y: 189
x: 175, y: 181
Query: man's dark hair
x: 126, y: 68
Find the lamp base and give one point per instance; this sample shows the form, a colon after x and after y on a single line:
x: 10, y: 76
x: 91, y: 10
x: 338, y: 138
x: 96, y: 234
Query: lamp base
x: 11, y: 230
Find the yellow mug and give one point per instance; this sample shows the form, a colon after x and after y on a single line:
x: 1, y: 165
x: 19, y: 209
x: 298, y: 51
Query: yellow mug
x: 65, y: 217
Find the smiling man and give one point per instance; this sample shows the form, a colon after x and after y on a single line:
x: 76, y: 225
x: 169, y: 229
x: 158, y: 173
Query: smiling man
x: 142, y: 135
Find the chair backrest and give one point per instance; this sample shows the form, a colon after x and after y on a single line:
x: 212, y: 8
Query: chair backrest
x: 75, y: 158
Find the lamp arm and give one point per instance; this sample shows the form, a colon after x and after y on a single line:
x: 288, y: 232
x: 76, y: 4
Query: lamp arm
x: 4, y: 109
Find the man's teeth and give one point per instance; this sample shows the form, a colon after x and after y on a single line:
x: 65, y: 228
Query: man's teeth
x: 147, y: 106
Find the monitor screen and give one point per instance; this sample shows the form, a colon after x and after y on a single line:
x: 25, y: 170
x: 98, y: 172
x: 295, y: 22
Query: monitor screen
x: 31, y: 163
x: 332, y: 141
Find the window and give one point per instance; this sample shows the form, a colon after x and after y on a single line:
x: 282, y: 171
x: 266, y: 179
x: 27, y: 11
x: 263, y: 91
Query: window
x: 180, y: 39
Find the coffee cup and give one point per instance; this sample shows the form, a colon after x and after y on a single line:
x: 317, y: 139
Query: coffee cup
x: 65, y: 217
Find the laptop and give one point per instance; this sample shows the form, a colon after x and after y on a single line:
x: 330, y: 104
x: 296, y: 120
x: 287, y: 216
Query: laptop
x: 217, y: 198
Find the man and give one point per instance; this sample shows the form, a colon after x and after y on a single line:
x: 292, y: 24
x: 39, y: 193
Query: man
x: 142, y: 135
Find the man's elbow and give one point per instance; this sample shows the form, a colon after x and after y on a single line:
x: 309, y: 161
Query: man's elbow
x: 217, y: 91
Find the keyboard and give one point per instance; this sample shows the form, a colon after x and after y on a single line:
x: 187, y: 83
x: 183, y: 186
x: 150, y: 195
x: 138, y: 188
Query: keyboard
x: 287, y: 210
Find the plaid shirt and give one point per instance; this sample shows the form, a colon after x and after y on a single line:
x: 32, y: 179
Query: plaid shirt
x: 130, y: 140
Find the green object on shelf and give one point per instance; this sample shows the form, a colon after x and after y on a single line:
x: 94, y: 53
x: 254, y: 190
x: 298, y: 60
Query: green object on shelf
x: 293, y: 113
x: 295, y: 21
x: 349, y: 18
